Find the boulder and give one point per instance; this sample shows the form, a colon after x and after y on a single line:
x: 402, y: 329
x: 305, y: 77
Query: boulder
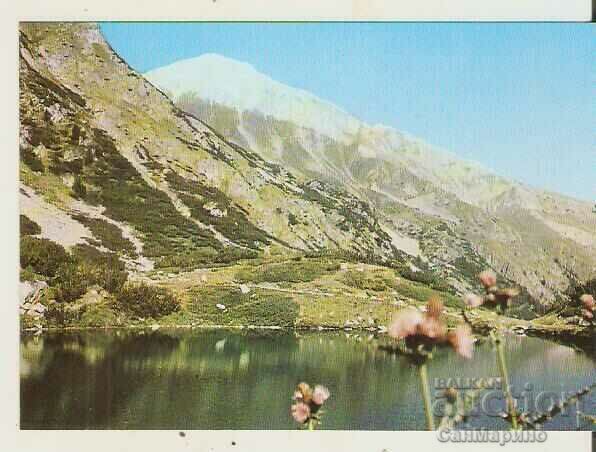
x: 94, y: 295
x: 28, y: 289
x: 39, y: 308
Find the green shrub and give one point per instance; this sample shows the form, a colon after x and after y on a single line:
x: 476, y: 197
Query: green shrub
x: 64, y: 314
x: 468, y: 267
x: 28, y: 226
x: 426, y: 277
x: 270, y: 310
x: 262, y: 308
x: 27, y: 274
x: 128, y: 198
x: 423, y: 293
x: 234, y: 224
x: 32, y: 161
x: 193, y: 258
x: 231, y: 254
x: 78, y: 188
x: 109, y: 234
x: 369, y: 281
x: 205, y: 256
x: 71, y: 281
x: 294, y: 272
x: 141, y: 300
x: 99, y: 315
x: 42, y: 255
x: 89, y: 267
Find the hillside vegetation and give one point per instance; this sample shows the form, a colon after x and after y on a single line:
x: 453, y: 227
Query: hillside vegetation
x: 136, y: 212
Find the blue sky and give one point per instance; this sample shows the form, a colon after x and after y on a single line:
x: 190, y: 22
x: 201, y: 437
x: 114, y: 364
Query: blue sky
x: 519, y: 98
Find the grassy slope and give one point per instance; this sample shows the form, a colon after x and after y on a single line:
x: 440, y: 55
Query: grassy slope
x: 302, y: 292
x: 324, y: 293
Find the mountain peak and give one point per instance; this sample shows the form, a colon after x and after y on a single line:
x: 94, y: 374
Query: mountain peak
x: 213, y: 60
x: 216, y: 78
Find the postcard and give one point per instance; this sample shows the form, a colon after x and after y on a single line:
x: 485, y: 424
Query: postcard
x: 307, y: 228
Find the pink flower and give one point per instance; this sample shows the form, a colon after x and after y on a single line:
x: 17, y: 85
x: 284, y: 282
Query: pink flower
x: 472, y: 300
x: 305, y: 392
x: 462, y: 341
x: 405, y: 323
x: 320, y: 394
x: 297, y: 395
x: 432, y: 328
x: 434, y: 307
x: 300, y: 412
x: 588, y: 301
x: 488, y: 279
x: 588, y: 315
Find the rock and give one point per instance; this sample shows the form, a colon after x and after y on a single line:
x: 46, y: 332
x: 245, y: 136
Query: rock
x: 55, y: 112
x: 244, y: 288
x: 413, y: 268
x: 94, y: 295
x: 29, y: 288
x: 214, y: 211
x: 39, y: 308
x: 220, y: 306
x: 68, y: 180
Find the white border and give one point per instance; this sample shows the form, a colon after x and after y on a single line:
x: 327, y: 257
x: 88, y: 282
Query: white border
x: 308, y: 10
x: 278, y: 441
x: 221, y: 10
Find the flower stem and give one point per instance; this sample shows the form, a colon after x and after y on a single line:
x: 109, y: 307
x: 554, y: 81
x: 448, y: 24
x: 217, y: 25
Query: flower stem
x: 505, y: 376
x: 423, y: 372
x: 311, y: 426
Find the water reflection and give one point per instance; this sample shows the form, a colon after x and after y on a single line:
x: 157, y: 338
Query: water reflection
x: 244, y: 380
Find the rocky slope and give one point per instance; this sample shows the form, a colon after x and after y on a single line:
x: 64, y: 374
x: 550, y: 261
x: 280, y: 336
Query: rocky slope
x: 107, y: 160
x: 454, y: 215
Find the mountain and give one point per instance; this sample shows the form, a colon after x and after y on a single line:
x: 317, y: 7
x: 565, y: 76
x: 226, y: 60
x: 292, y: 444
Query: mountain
x: 108, y: 161
x: 453, y: 215
x: 225, y: 165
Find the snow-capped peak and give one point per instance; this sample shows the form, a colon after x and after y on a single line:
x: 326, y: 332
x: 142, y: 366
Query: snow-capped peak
x: 239, y: 85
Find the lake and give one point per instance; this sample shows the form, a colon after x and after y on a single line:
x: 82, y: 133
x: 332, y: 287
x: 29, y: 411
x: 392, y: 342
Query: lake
x: 223, y: 379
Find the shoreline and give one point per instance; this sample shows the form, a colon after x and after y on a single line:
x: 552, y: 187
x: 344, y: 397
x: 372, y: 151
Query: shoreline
x: 578, y: 340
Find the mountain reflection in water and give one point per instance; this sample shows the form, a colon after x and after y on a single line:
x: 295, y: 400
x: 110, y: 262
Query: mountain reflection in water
x: 181, y: 379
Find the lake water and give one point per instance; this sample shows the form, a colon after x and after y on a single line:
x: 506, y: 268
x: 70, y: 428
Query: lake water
x: 218, y: 379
